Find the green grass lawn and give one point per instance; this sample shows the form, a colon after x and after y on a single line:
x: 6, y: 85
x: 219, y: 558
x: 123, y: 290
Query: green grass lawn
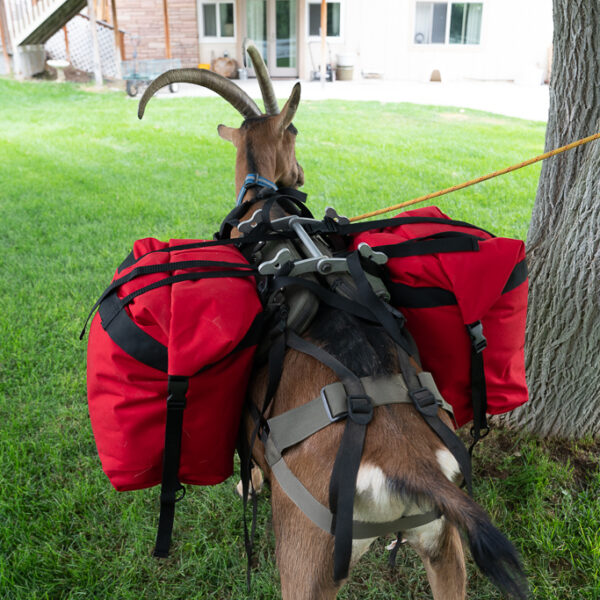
x: 80, y: 179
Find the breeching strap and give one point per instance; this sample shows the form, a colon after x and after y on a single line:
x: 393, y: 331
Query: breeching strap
x: 465, y: 184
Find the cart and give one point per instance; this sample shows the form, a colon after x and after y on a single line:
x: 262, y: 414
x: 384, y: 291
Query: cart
x: 139, y: 73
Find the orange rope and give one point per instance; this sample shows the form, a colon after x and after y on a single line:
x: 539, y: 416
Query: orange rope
x: 460, y: 186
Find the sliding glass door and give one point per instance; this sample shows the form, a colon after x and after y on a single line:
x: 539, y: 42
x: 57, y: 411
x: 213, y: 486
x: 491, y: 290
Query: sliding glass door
x: 272, y: 25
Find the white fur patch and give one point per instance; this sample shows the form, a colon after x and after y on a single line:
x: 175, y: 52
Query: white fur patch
x: 374, y: 501
x: 448, y: 464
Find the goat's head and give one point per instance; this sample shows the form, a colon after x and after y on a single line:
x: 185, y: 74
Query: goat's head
x: 265, y: 143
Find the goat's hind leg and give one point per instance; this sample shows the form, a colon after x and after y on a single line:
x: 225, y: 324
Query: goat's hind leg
x: 304, y: 553
x: 440, y: 548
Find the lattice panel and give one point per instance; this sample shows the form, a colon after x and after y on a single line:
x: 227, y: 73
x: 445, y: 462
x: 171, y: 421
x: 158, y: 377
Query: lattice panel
x: 80, y: 46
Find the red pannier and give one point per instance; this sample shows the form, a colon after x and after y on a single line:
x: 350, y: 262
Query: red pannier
x: 169, y: 358
x: 464, y: 295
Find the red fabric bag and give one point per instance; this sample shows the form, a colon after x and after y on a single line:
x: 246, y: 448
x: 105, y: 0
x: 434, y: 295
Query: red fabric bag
x: 464, y: 295
x: 175, y: 334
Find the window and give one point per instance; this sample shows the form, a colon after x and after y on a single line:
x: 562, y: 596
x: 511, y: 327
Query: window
x: 465, y: 23
x: 334, y: 10
x: 217, y: 19
x: 432, y: 25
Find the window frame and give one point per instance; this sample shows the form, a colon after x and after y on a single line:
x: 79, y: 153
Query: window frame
x: 446, y: 42
x: 332, y: 38
x: 219, y: 37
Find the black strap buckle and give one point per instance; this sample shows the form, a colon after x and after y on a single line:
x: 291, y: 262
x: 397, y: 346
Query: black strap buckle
x: 360, y: 408
x: 478, y: 340
x: 178, y: 387
x: 424, y: 401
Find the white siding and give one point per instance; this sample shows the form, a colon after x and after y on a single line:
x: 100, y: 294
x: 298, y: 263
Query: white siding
x: 515, y: 38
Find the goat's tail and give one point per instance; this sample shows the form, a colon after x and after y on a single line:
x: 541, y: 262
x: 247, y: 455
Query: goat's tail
x: 493, y: 553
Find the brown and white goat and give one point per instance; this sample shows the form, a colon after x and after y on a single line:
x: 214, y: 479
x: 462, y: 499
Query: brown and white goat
x: 405, y: 468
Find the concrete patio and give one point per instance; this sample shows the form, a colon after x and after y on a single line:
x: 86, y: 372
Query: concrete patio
x: 525, y: 101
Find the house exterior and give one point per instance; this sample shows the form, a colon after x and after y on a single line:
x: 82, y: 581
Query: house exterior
x: 394, y: 39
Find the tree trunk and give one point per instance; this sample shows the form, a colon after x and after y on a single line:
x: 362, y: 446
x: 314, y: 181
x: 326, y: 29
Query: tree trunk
x: 563, y: 328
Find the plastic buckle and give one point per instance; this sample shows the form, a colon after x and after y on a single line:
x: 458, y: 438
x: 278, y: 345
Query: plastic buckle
x: 177, y: 390
x: 328, y: 412
x: 478, y: 340
x: 360, y: 408
x: 424, y: 401
x: 176, y: 402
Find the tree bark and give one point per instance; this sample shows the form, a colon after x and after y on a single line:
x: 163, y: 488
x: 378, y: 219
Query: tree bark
x: 563, y: 329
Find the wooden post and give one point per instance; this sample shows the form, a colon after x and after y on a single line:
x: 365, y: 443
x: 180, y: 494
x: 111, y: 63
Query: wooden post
x: 167, y: 34
x: 323, y: 41
x: 3, y: 38
x: 67, y: 49
x: 95, y: 45
x: 118, y: 46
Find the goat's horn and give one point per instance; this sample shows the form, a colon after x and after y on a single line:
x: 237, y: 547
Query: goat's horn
x: 213, y: 81
x: 289, y: 110
x: 263, y: 78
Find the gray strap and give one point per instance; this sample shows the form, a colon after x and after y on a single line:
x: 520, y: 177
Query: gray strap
x: 292, y: 486
x: 364, y: 529
x: 322, y: 516
x: 303, y: 421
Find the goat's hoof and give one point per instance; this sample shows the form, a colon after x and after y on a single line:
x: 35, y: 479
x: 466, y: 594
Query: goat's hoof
x: 257, y: 482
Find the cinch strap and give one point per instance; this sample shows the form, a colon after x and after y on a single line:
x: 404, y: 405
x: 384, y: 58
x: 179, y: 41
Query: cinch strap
x: 254, y: 180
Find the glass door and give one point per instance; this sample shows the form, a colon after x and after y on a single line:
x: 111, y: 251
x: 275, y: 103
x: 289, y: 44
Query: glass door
x: 272, y: 25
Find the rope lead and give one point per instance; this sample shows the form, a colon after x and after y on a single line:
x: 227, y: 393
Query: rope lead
x: 460, y: 186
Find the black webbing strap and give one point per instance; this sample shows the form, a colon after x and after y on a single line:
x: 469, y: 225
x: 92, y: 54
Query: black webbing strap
x: 342, y: 485
x: 439, y: 243
x: 349, y: 228
x: 234, y: 270
x: 478, y: 387
x: 426, y: 404
x: 195, y: 276
x: 367, y: 296
x: 275, y: 361
x: 131, y: 338
x: 170, y: 486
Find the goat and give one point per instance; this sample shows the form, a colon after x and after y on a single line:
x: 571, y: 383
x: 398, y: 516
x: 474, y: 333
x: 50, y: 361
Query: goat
x: 405, y: 467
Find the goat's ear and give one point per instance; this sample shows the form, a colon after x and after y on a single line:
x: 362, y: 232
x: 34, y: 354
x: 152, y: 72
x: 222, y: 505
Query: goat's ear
x: 289, y: 110
x: 226, y: 132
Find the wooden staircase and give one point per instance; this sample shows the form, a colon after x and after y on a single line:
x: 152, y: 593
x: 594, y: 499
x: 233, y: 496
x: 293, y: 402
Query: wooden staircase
x: 35, y: 22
